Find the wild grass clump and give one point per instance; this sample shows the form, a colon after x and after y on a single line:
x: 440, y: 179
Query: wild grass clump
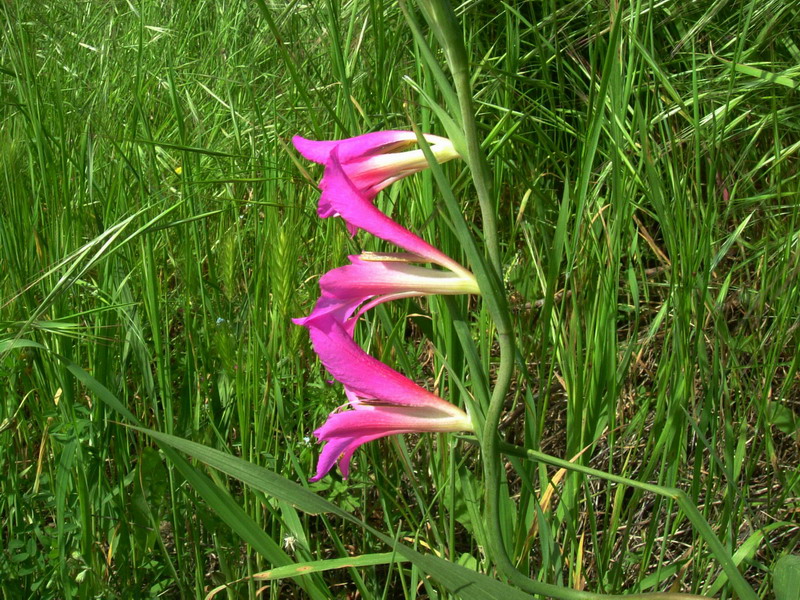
x: 158, y: 232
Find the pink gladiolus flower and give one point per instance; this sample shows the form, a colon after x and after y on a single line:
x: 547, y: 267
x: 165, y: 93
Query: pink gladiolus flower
x: 384, y: 402
x: 371, y: 161
x: 377, y: 278
x: 357, y: 210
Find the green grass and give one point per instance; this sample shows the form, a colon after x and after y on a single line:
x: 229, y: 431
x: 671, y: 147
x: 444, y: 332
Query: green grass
x: 158, y: 230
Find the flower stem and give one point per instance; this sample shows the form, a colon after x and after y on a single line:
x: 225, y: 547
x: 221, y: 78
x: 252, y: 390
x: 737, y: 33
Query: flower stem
x: 440, y: 16
x: 447, y: 29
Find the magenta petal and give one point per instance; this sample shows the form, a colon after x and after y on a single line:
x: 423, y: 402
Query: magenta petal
x: 352, y: 152
x: 364, y: 278
x: 344, y: 432
x: 340, y: 449
x: 361, y: 373
x: 327, y: 305
x: 339, y: 194
x: 354, y: 148
x: 313, y: 150
x: 329, y: 455
x: 346, y: 288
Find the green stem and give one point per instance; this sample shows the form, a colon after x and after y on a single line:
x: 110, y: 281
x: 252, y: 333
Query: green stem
x: 478, y: 167
x: 444, y: 20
